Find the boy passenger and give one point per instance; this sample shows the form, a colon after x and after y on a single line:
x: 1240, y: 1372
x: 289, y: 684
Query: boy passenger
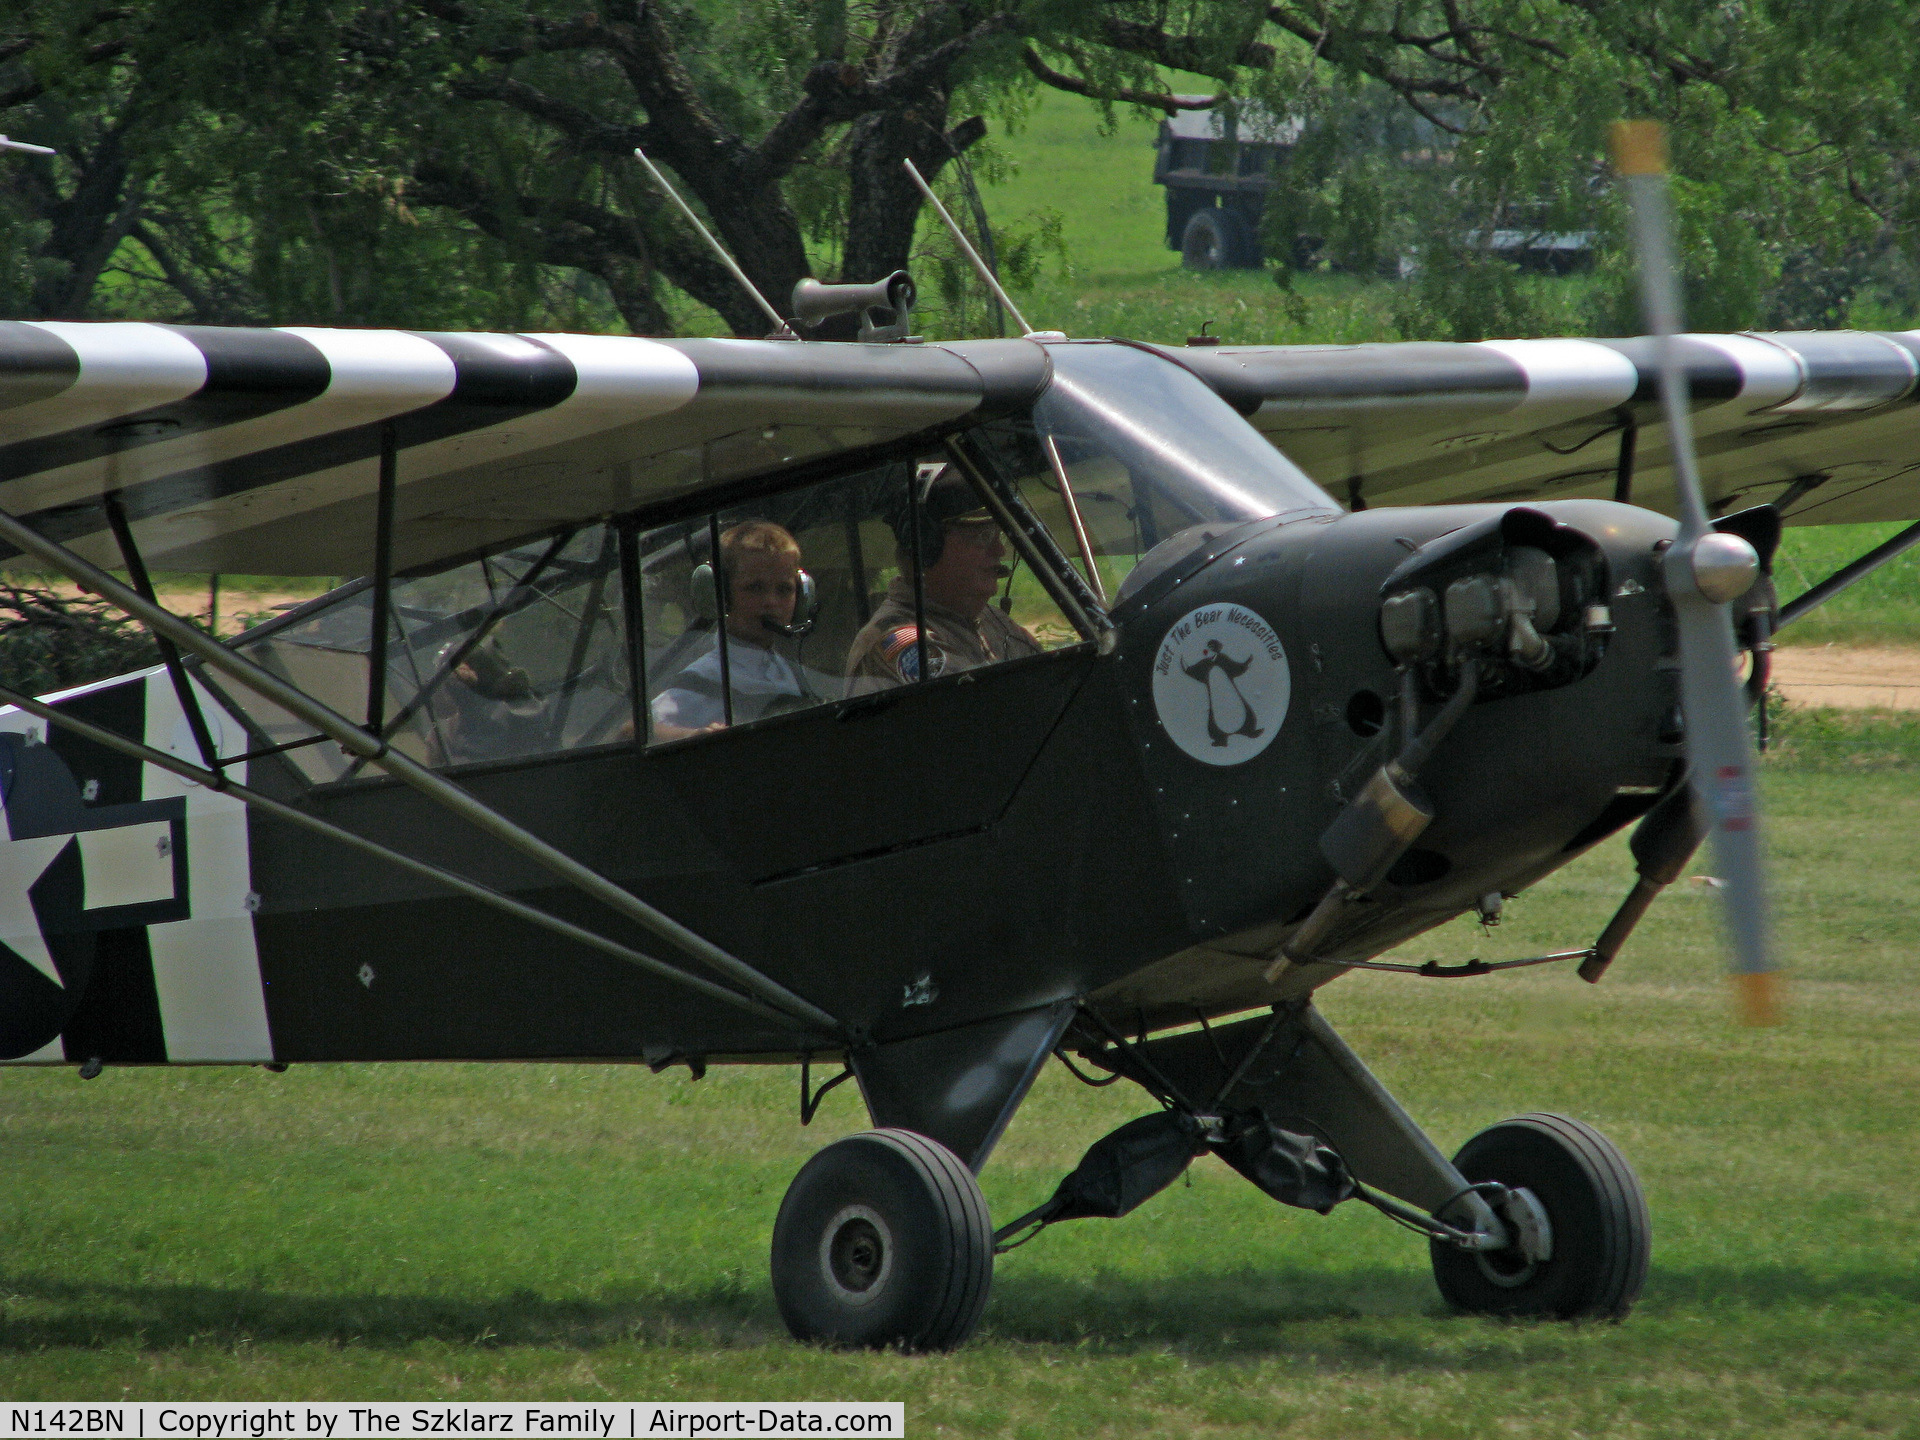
x: 760, y: 563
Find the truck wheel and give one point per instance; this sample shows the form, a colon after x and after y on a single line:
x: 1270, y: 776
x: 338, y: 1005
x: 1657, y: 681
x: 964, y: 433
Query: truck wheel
x: 1217, y: 240
x: 883, y: 1239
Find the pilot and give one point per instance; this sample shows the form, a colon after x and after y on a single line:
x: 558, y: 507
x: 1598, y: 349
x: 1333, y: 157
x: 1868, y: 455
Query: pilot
x: 964, y: 551
x: 496, y: 712
x: 761, y: 563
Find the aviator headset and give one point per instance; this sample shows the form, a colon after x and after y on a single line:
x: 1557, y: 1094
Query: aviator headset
x: 706, y: 601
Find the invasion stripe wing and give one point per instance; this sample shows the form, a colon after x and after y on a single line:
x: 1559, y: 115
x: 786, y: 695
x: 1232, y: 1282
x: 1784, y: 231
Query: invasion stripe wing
x: 1428, y: 423
x: 256, y: 451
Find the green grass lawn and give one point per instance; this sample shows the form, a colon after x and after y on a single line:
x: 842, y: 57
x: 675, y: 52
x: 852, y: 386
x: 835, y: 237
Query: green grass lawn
x: 539, y: 1231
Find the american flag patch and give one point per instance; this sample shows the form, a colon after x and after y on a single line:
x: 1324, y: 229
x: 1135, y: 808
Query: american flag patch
x: 901, y: 650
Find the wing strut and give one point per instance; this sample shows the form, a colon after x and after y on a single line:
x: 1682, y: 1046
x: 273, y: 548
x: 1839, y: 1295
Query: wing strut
x: 356, y: 741
x: 1848, y: 575
x: 266, y: 804
x: 1623, y: 466
x: 169, y: 653
x: 382, y: 580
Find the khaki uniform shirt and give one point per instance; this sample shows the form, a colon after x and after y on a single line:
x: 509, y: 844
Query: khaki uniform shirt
x: 886, y: 651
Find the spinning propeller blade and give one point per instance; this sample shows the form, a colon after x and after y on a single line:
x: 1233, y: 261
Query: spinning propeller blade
x: 1704, y: 570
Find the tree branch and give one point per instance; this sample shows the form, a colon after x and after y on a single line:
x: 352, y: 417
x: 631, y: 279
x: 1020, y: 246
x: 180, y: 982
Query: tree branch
x: 586, y: 130
x: 176, y: 276
x: 34, y: 89
x: 835, y: 94
x: 1361, y: 49
x: 589, y: 237
x: 1180, y: 52
x: 1170, y: 104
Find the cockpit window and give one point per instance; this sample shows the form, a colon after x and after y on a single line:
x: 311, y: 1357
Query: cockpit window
x: 866, y: 582
x: 520, y: 654
x: 1146, y: 452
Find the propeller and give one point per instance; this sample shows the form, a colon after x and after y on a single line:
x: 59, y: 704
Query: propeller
x: 1704, y: 571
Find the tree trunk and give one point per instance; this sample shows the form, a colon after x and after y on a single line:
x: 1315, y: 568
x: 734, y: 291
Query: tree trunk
x: 763, y: 235
x: 883, y: 202
x: 86, y: 227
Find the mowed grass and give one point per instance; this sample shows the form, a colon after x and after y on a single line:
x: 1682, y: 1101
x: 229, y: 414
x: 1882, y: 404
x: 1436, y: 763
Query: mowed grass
x: 549, y: 1231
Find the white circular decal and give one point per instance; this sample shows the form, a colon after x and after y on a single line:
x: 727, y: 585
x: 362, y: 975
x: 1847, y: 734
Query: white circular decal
x: 1221, y: 684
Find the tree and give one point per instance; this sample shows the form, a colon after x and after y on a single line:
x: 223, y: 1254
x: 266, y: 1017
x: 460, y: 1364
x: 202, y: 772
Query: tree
x: 1794, y: 130
x: 306, y: 150
x: 467, y: 162
x: 60, y: 225
x: 785, y: 126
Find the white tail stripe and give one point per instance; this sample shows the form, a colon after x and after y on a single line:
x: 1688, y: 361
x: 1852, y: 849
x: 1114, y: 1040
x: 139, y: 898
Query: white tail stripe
x: 206, y: 969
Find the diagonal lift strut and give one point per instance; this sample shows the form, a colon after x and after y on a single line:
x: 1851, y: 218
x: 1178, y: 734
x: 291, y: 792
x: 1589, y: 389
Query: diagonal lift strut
x: 357, y: 741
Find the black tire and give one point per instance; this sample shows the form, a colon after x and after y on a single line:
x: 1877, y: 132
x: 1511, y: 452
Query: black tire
x: 1217, y: 240
x: 1602, y: 1237
x: 883, y: 1239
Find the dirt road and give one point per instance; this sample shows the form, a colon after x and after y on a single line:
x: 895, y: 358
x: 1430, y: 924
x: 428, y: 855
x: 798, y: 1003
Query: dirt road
x: 1849, y: 676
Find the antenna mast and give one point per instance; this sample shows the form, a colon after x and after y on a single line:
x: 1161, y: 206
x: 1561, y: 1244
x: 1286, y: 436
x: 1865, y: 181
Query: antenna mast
x: 966, y: 248
x: 780, y: 326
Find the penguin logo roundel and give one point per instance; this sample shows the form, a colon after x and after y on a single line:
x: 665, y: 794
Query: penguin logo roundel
x: 1221, y: 684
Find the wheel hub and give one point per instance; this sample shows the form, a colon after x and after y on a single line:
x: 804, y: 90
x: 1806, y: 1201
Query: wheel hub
x: 1527, y: 1222
x: 856, y: 1254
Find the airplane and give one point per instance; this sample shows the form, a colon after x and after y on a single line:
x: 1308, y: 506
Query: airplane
x: 919, y: 712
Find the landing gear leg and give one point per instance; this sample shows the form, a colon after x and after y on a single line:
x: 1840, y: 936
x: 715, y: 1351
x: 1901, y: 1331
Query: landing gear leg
x: 1596, y: 1233
x: 883, y: 1239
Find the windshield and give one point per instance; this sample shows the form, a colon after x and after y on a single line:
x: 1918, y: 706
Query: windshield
x: 1148, y: 453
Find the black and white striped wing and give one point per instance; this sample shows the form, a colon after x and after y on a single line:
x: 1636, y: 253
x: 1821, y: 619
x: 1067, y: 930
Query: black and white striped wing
x: 257, y: 451
x: 1832, y: 412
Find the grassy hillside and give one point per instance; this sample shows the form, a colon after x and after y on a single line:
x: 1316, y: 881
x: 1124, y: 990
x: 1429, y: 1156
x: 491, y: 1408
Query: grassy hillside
x: 1058, y: 158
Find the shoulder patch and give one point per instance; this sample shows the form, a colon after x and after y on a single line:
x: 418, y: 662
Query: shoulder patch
x: 903, y: 653
x: 901, y: 649
x: 898, y: 640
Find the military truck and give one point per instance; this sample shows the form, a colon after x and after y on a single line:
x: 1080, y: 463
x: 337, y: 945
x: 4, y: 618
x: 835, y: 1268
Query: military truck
x: 1219, y: 164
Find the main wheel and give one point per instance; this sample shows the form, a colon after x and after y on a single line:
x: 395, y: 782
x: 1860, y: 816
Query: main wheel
x: 1596, y: 1217
x: 1217, y: 240
x: 883, y: 1239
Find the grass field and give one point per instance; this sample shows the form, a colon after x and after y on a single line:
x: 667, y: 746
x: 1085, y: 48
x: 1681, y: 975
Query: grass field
x: 545, y: 1231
